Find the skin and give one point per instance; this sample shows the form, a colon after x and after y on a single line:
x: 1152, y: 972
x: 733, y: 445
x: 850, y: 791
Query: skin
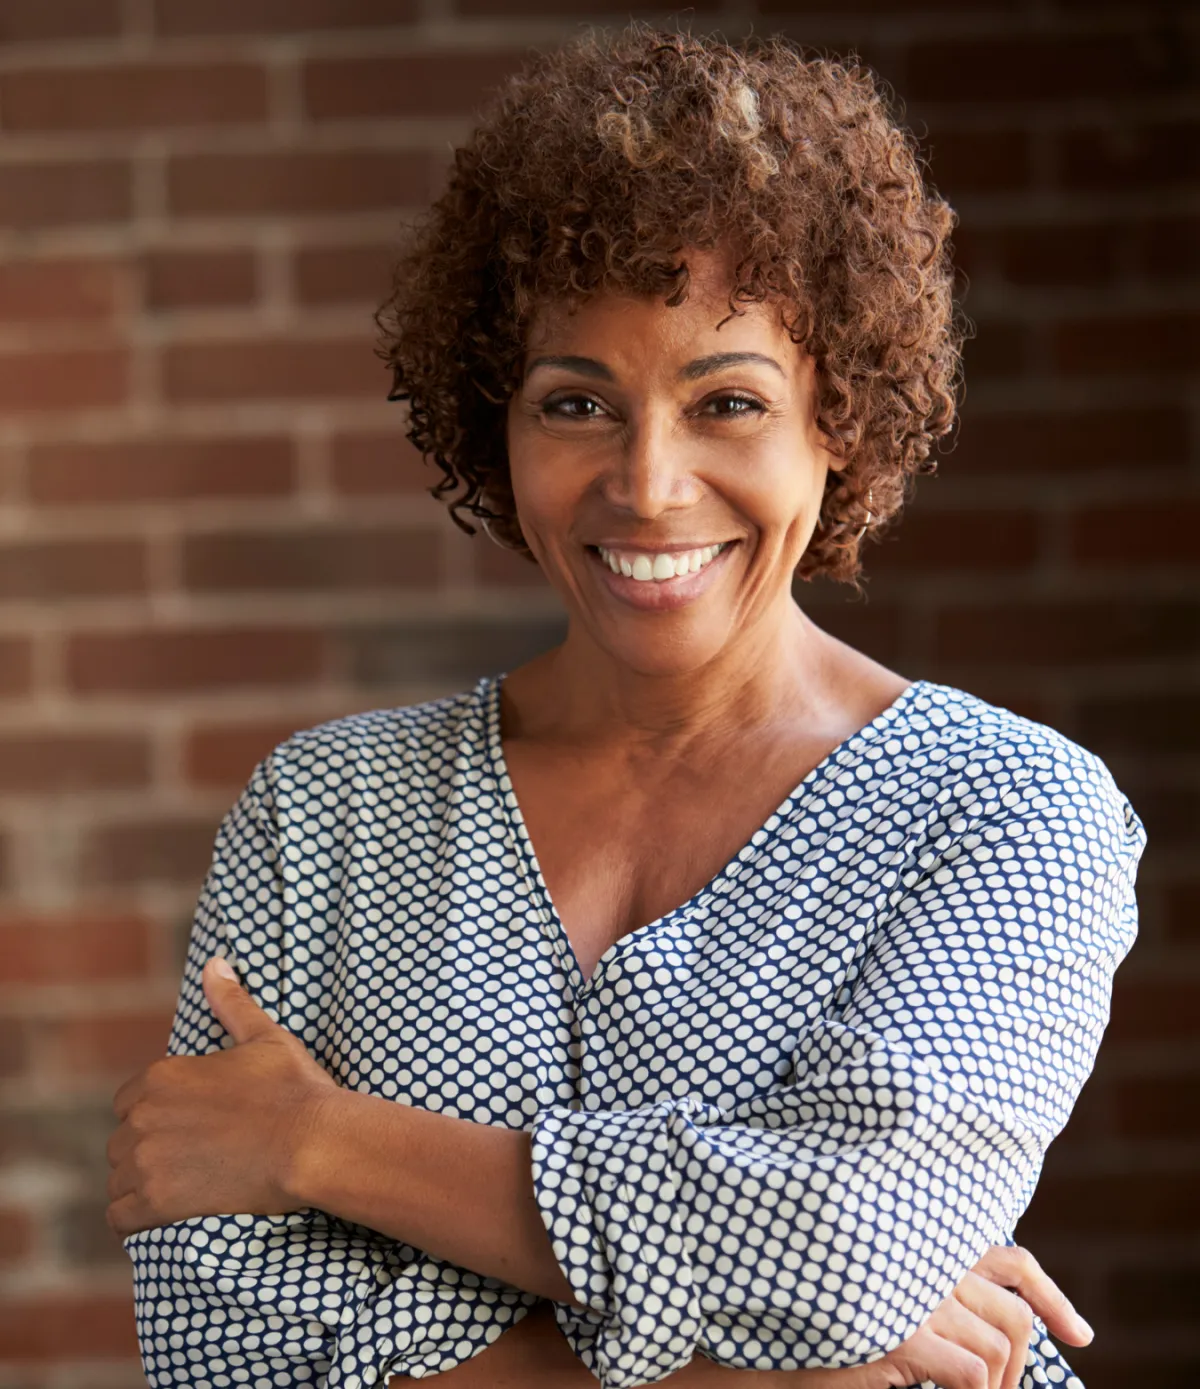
x: 642, y: 429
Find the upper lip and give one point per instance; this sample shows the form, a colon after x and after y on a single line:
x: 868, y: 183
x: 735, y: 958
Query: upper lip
x: 680, y: 548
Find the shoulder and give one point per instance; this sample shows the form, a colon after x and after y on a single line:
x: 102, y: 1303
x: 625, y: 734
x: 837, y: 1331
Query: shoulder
x: 380, y: 752
x: 982, y: 762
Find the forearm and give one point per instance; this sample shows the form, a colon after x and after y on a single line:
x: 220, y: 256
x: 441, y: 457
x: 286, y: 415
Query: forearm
x: 455, y: 1189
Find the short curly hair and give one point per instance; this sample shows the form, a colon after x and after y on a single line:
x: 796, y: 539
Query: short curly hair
x: 600, y: 165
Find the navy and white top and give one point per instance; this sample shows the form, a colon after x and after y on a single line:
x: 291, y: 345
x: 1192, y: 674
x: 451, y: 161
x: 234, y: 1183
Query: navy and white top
x: 775, y: 1127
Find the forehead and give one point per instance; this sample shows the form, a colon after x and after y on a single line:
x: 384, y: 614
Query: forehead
x: 644, y: 332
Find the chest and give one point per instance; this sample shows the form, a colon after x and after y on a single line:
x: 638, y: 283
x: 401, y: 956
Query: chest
x: 622, y: 846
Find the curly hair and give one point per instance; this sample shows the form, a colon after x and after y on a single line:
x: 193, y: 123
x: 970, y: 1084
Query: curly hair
x: 599, y: 166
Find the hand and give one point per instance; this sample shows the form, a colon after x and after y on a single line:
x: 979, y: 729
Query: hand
x: 978, y: 1337
x: 212, y: 1135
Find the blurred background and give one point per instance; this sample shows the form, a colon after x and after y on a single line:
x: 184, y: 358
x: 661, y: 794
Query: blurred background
x: 213, y: 533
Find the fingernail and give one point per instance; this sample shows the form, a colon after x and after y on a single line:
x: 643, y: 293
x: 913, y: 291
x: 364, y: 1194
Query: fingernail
x: 222, y: 967
x: 1084, y: 1327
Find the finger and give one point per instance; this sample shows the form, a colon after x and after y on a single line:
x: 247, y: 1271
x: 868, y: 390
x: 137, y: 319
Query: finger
x: 122, y: 1181
x: 954, y: 1322
x: 1005, y: 1311
x: 120, y: 1145
x: 128, y: 1095
x: 946, y: 1363
x: 1016, y: 1268
x: 232, y: 1006
x: 127, y: 1215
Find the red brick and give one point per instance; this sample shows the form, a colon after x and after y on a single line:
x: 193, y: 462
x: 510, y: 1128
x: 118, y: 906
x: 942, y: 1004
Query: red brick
x: 16, y: 665
x: 72, y: 761
x: 164, y: 849
x: 224, y: 756
x: 283, y: 368
x: 33, y: 21
x: 199, y: 279
x: 220, y: 17
x: 336, y: 558
x: 1151, y: 1294
x: 1151, y: 1364
x: 172, y: 661
x: 978, y: 541
x: 47, y: 569
x: 1144, y: 533
x: 47, y: 291
x: 132, y: 96
x: 76, y: 949
x: 64, y: 379
x: 1181, y: 912
x: 344, y: 274
x: 998, y: 351
x: 1158, y: 1007
x: 1168, y: 248
x: 67, y: 193
x: 1169, y: 805
x: 1129, y: 344
x: 1137, y: 1203
x: 1030, y: 69
x: 1058, y: 255
x: 148, y: 470
x: 413, y: 84
x: 1064, y: 633
x: 16, y: 1236
x: 554, y: 9
x: 297, y: 181
x: 1167, y: 721
x: 368, y: 464
x: 14, y: 1049
x: 117, y: 1045
x: 980, y: 161
x: 1124, y: 156
x: 494, y: 565
x: 1158, y: 1106
x: 1050, y: 441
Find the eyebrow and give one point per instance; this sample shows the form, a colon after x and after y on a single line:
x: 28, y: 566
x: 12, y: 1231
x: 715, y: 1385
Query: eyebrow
x: 702, y: 366
x: 706, y: 366
x: 585, y: 366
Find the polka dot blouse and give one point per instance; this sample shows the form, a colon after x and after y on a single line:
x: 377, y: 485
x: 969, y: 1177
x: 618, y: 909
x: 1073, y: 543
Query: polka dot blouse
x: 775, y: 1127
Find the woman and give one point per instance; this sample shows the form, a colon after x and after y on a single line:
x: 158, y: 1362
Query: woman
x: 703, y: 984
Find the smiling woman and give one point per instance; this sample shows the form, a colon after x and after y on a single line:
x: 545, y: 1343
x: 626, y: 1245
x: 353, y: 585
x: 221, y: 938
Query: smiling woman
x: 696, y: 1002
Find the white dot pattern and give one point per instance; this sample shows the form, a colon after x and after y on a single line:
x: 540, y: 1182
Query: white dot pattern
x: 775, y: 1127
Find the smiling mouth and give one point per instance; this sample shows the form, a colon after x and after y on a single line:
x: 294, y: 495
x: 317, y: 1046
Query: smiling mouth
x: 658, y: 568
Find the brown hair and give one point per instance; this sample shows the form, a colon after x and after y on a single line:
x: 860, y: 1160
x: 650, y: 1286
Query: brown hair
x: 596, y: 168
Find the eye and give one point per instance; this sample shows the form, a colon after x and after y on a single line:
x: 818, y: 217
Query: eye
x: 573, y: 407
x: 732, y: 405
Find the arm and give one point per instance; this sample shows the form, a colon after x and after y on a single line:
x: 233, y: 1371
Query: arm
x: 822, y: 1223
x: 297, y: 1292
x: 882, y: 1182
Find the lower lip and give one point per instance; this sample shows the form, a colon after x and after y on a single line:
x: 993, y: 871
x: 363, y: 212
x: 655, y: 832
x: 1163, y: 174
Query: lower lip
x: 662, y: 595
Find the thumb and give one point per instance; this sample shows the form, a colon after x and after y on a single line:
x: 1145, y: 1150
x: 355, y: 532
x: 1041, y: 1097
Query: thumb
x: 233, y: 1007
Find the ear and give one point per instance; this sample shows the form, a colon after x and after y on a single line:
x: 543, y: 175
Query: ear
x: 232, y: 1006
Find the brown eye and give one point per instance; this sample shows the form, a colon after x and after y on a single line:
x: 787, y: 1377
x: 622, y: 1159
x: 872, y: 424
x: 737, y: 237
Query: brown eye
x: 573, y: 407
x: 733, y: 406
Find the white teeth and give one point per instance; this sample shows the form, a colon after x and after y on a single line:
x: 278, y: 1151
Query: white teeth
x: 646, y: 568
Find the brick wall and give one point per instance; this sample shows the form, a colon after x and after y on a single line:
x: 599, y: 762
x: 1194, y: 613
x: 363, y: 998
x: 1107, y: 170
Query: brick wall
x: 210, y: 532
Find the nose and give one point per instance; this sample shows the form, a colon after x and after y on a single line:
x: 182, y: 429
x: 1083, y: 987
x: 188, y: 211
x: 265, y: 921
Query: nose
x: 652, y: 472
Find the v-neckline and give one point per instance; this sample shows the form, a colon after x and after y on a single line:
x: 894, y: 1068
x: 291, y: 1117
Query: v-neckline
x: 491, y: 688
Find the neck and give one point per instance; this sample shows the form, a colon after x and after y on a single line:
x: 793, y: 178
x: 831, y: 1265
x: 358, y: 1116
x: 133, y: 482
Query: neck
x: 580, y: 694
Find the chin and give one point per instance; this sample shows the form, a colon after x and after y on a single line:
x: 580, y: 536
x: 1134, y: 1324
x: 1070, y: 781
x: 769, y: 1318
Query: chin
x: 661, y: 648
